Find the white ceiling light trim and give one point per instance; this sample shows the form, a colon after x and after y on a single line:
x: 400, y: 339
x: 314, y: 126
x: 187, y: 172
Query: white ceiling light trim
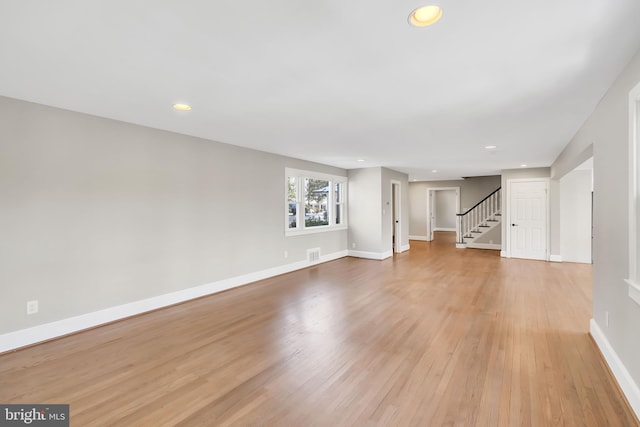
x: 425, y: 16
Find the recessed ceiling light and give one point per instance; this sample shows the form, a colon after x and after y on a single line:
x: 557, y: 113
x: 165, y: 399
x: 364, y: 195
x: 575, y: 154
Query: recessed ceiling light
x: 360, y: 160
x: 523, y: 165
x: 434, y: 171
x: 425, y: 15
x: 491, y: 147
x: 182, y: 107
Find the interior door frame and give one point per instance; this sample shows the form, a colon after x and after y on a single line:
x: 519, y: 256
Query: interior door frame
x: 396, y: 216
x: 430, y: 208
x: 507, y: 223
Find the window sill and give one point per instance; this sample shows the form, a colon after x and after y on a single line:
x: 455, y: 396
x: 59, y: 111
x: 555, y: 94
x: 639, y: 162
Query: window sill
x: 634, y: 290
x: 315, y: 230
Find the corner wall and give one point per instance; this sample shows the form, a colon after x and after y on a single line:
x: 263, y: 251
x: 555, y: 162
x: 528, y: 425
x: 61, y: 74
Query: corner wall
x: 615, y: 315
x: 98, y: 214
x: 370, y: 212
x: 387, y: 176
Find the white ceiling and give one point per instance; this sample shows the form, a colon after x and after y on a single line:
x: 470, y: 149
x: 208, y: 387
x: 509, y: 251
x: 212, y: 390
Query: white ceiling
x: 331, y: 81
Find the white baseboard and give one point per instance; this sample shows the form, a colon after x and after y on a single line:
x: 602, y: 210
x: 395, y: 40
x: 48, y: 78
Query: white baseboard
x: 555, y: 258
x: 422, y: 238
x: 461, y: 246
x: 503, y: 254
x: 620, y: 372
x: 492, y: 246
x: 444, y: 229
x: 405, y: 248
x: 371, y: 255
x: 24, y: 337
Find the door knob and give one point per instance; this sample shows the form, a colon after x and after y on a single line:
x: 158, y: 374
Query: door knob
x: 514, y: 225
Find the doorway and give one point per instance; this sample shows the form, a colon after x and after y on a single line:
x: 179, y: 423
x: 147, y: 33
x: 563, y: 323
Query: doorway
x: 396, y: 233
x: 527, y: 218
x: 443, y: 203
x: 576, y: 214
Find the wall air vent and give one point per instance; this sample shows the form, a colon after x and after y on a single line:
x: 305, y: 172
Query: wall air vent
x: 313, y: 255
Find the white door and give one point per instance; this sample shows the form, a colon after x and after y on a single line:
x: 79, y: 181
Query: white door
x: 528, y: 219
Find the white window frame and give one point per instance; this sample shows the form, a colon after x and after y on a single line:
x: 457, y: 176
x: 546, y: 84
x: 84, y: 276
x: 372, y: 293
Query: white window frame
x: 300, y: 176
x: 634, y: 192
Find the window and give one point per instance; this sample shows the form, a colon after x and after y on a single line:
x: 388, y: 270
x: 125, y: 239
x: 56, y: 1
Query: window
x: 315, y: 202
x: 292, y: 201
x: 339, y: 196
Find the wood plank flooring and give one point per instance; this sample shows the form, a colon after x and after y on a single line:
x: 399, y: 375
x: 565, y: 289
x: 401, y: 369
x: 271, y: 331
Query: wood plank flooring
x: 436, y: 336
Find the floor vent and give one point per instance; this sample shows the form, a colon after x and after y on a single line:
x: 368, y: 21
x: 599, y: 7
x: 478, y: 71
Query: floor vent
x: 313, y: 255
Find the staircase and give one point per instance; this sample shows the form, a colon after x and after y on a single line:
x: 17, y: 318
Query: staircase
x: 480, y: 219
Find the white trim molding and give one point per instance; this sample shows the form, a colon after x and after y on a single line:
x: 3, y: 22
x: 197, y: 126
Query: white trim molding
x: 48, y: 331
x: 555, y: 258
x: 431, y: 208
x: 491, y: 246
x: 623, y: 377
x: 371, y: 255
x: 333, y: 203
x: 634, y: 290
x: 506, y: 201
x: 634, y: 191
x: 396, y: 216
x: 404, y: 248
x: 421, y: 238
x: 444, y: 229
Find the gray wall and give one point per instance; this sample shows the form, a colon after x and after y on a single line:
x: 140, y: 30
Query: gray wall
x: 445, y: 201
x: 492, y: 237
x: 575, y: 216
x: 370, y: 210
x: 608, y: 130
x: 387, y: 175
x: 472, y: 190
x: 96, y: 213
x: 365, y: 211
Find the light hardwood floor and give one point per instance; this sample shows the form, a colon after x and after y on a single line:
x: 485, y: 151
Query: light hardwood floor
x: 436, y: 336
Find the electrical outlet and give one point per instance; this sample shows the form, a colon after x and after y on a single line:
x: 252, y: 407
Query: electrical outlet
x: 353, y: 246
x: 286, y: 254
x: 606, y: 319
x: 32, y: 306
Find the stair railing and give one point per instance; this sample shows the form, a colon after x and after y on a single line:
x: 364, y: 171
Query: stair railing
x: 470, y: 222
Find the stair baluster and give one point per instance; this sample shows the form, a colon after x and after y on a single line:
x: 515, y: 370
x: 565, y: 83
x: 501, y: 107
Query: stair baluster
x: 471, y: 222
